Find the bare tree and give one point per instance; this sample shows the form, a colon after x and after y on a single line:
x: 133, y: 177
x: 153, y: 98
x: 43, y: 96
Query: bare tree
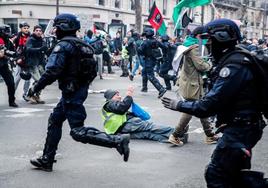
x: 138, y: 12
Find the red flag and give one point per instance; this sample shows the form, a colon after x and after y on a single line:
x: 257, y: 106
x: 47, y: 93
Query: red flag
x: 94, y: 29
x: 155, y: 18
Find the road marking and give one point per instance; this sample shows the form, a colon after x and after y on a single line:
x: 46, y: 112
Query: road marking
x: 24, y: 110
x: 198, y: 131
x: 18, y: 115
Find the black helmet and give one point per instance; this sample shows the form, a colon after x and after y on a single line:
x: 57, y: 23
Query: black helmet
x: 5, y: 30
x: 25, y: 75
x: 149, y: 32
x: 223, y: 30
x: 67, y: 22
x: 197, y: 31
x: 24, y: 24
x: 261, y: 41
x: 165, y: 38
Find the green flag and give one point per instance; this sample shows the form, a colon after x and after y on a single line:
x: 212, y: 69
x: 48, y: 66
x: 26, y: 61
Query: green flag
x: 186, y: 4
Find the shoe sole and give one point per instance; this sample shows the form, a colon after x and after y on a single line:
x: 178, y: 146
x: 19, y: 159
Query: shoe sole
x: 175, y: 143
x: 39, y: 167
x: 210, y: 143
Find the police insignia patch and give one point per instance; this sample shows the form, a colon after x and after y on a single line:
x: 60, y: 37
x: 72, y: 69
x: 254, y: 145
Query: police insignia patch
x: 225, y: 72
x: 56, y: 48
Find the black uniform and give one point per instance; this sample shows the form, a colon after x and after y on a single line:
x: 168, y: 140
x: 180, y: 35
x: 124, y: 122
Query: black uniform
x: 149, y: 49
x: 74, y: 78
x: 6, y: 73
x: 233, y: 99
x: 166, y: 64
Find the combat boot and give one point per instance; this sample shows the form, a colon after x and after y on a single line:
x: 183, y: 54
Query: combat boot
x: 43, y: 163
x: 144, y: 89
x: 162, y: 92
x: 122, y: 147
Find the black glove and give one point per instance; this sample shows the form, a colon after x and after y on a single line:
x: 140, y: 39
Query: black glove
x: 170, y: 103
x: 31, y: 92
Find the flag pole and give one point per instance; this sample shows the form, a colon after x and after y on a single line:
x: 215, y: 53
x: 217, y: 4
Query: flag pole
x: 215, y: 9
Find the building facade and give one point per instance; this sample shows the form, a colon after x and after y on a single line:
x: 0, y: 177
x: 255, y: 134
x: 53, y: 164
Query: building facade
x: 252, y: 15
x: 114, y: 15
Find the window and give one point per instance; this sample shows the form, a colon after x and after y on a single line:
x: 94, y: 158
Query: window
x: 117, y: 3
x: 132, y: 4
x: 225, y: 14
x: 13, y: 23
x: 231, y: 15
x: 43, y: 23
x: 253, y: 3
x: 164, y: 7
x: 101, y: 2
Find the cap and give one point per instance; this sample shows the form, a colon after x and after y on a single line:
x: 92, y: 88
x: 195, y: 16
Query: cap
x: 110, y: 93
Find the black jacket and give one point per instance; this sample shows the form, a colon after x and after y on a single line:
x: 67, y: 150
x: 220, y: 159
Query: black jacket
x: 120, y: 107
x: 117, y: 44
x: 35, y: 50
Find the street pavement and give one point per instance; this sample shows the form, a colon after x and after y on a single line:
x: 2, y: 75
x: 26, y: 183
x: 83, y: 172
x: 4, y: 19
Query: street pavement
x: 151, y: 164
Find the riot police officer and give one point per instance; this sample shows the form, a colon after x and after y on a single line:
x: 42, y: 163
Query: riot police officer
x: 150, y: 50
x: 5, y: 72
x: 233, y: 99
x: 74, y: 78
x: 166, y: 64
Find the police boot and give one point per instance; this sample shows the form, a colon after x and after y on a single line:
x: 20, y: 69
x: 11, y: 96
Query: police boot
x: 168, y: 85
x: 43, y: 163
x: 93, y: 136
x: 162, y: 92
x: 122, y: 146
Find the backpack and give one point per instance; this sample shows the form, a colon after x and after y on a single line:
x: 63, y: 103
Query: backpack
x: 86, y: 67
x: 259, y: 66
x: 98, y: 46
x: 156, y: 51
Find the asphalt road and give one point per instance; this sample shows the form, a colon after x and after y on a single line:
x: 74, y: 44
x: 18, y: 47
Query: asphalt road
x: 151, y: 164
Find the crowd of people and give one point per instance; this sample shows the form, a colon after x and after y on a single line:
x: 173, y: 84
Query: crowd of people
x: 76, y: 62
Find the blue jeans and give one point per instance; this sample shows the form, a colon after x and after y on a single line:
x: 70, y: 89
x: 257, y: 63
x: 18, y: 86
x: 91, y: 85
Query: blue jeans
x: 140, y: 129
x: 136, y: 65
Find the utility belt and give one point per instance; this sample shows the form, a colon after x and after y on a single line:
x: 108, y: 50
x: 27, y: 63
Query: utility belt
x: 251, y: 119
x: 238, y: 121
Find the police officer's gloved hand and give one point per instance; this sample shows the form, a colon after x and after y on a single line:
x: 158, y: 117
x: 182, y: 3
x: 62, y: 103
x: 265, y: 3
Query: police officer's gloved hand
x: 171, y: 104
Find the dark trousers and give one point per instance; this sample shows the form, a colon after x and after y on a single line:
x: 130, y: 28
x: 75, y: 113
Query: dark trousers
x: 75, y: 114
x: 9, y: 80
x: 148, y: 74
x: 167, y: 78
x: 232, y: 154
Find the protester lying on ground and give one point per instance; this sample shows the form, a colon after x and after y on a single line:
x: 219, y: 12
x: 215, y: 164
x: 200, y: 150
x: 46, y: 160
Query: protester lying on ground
x: 118, y: 119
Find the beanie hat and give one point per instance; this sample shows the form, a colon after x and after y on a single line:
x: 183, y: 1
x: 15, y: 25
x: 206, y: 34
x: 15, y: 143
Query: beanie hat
x: 110, y: 93
x: 37, y: 27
